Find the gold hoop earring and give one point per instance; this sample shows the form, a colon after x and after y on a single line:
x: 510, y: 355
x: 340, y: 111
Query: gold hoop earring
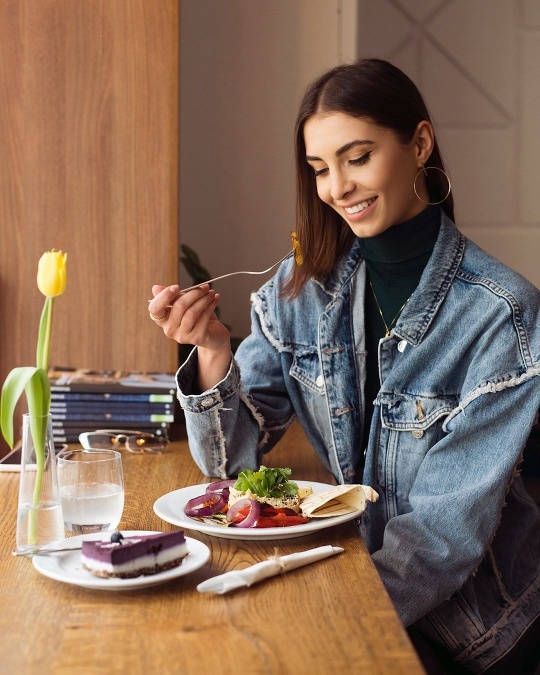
x: 425, y: 170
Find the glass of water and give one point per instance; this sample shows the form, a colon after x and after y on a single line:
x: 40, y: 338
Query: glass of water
x: 91, y: 485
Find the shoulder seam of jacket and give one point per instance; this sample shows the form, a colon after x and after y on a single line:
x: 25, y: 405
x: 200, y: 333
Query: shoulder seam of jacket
x: 517, y: 314
x: 492, y: 388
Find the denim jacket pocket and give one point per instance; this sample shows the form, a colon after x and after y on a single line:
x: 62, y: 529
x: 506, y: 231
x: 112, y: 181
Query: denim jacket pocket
x: 415, y: 413
x: 306, y: 368
x: 411, y: 426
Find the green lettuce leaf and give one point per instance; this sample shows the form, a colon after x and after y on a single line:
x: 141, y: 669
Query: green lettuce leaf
x: 267, y: 482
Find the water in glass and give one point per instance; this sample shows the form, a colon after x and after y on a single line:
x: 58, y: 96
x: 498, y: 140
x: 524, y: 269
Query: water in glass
x: 91, y: 489
x: 92, y: 507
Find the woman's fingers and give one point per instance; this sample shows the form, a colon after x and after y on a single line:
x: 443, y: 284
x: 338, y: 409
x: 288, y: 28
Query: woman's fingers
x: 190, y: 314
x: 193, y: 327
x: 160, y: 305
x: 163, y: 297
x: 188, y: 317
x: 157, y: 289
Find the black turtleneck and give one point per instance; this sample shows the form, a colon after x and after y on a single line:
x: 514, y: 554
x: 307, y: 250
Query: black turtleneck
x: 395, y: 260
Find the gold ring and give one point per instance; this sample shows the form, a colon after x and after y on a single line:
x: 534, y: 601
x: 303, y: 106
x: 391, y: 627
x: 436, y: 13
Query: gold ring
x: 159, y: 319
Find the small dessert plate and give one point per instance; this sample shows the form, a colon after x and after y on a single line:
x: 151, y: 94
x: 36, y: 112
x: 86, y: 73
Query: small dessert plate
x: 67, y: 566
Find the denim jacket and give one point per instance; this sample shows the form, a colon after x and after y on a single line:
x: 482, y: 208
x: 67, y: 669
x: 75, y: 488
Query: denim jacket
x: 454, y: 536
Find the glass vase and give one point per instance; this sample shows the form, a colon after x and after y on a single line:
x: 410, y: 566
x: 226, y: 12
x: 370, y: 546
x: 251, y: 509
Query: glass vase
x: 39, y: 515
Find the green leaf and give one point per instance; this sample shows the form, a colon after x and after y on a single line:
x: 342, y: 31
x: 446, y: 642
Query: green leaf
x: 193, y: 265
x: 38, y: 394
x: 267, y: 482
x: 36, y: 384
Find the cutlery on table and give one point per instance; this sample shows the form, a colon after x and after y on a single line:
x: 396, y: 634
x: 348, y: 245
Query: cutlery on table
x: 45, y: 551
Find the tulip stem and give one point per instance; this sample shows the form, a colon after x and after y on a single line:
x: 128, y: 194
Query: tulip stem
x: 38, y: 430
x: 36, y: 405
x: 44, y: 335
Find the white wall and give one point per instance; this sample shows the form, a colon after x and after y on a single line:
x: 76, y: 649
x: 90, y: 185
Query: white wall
x: 244, y: 66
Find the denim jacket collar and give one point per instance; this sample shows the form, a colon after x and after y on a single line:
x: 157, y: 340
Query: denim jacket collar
x: 341, y: 274
x: 441, y: 269
x: 426, y: 300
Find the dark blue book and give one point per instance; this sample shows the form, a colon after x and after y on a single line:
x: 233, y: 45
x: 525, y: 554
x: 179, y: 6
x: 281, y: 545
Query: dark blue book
x: 118, y: 417
x: 72, y: 396
x: 92, y: 425
x: 112, y: 407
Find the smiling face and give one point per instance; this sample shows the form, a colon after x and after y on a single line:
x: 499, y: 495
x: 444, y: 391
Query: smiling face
x: 365, y: 172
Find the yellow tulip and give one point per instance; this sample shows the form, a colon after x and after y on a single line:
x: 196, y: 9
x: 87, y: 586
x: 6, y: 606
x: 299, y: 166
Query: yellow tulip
x: 51, y: 281
x: 52, y: 276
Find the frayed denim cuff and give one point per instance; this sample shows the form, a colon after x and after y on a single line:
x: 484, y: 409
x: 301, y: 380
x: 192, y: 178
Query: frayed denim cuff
x: 194, y: 401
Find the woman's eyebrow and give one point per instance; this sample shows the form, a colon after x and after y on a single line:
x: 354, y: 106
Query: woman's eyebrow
x: 342, y: 150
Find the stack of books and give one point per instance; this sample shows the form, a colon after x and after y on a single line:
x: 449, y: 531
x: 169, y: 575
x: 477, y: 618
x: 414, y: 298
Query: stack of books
x: 87, y: 400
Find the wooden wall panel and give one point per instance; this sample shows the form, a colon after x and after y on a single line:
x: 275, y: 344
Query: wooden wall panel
x: 88, y: 165
x: 89, y: 148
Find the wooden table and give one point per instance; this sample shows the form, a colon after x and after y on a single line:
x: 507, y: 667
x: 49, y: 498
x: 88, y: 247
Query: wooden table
x: 333, y: 616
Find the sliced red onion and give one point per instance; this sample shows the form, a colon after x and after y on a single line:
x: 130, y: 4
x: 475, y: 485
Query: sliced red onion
x: 253, y: 514
x: 205, y: 505
x: 220, y: 485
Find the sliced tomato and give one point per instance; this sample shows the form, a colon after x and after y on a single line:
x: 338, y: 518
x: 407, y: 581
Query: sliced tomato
x: 282, y: 520
x: 274, y: 517
x: 270, y: 511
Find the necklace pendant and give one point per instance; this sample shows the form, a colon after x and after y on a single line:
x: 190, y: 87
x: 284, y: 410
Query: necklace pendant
x: 387, y: 333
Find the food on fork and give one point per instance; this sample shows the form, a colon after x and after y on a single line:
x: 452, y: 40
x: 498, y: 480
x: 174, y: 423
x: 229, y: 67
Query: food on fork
x: 298, y: 256
x: 134, y: 556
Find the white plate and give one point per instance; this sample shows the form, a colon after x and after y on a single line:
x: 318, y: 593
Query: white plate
x: 67, y: 566
x: 170, y: 507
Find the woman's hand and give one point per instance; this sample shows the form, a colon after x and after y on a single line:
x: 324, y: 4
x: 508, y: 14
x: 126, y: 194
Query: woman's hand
x: 189, y: 318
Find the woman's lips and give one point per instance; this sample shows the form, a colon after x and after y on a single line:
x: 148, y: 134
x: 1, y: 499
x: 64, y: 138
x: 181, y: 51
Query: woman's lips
x: 361, y: 206
x: 360, y: 210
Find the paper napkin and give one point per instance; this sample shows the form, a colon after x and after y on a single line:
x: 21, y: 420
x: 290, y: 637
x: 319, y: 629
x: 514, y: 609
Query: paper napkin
x: 338, y: 501
x: 267, y: 568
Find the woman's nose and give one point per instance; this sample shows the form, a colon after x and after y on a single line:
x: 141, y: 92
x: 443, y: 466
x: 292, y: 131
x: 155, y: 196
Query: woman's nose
x: 340, y: 186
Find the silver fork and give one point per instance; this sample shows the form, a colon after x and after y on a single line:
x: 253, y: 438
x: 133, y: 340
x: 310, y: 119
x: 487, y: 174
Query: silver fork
x: 232, y: 274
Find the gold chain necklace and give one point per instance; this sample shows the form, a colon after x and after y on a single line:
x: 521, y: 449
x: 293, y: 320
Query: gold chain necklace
x: 388, y: 327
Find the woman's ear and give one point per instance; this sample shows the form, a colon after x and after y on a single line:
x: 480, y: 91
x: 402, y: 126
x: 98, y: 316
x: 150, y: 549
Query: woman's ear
x: 424, y: 140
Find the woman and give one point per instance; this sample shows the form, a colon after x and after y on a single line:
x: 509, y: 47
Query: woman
x: 411, y: 359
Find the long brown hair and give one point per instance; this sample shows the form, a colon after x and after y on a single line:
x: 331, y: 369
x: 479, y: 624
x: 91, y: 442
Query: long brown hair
x: 371, y: 89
